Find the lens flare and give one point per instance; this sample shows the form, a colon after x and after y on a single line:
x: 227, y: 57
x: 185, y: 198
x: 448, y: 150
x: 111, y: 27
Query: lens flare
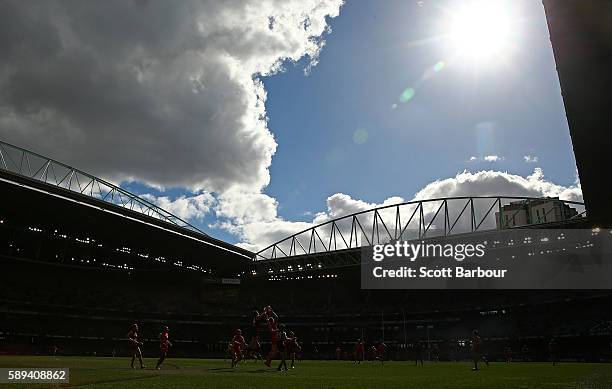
x: 360, y: 136
x: 407, y: 95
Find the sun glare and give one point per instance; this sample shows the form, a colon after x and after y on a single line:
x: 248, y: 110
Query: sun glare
x: 480, y: 30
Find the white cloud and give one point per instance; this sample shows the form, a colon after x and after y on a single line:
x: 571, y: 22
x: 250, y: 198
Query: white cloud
x: 194, y: 207
x: 341, y: 204
x: 530, y: 158
x: 246, y: 207
x: 492, y: 158
x: 493, y: 183
x: 486, y: 158
x: 165, y: 93
x: 258, y: 235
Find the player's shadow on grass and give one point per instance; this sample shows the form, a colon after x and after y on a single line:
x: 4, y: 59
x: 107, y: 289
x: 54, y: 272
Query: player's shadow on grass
x: 230, y: 370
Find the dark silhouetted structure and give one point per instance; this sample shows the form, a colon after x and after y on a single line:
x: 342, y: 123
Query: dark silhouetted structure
x: 581, y: 36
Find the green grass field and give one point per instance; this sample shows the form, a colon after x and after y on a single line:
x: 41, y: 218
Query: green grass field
x: 198, y: 373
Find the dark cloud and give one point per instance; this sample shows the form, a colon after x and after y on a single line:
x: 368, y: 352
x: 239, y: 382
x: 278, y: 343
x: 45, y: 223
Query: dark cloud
x: 156, y: 91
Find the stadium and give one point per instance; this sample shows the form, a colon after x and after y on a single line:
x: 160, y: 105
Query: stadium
x: 83, y: 259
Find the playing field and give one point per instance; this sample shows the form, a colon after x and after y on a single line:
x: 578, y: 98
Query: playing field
x: 199, y: 373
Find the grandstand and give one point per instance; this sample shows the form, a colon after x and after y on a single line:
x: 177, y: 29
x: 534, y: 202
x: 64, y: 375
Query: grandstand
x: 78, y: 268
x: 80, y: 254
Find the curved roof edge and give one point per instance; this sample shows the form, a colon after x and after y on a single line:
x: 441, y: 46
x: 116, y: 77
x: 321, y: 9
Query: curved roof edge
x: 334, y: 236
x: 29, y: 164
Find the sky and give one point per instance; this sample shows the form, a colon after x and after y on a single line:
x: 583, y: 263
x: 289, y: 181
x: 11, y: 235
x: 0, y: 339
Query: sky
x: 254, y: 120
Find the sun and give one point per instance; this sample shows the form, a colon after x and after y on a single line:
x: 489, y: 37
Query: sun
x: 480, y: 31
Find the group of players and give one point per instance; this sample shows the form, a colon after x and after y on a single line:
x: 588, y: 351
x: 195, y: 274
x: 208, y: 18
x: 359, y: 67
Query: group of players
x: 283, y: 344
x: 377, y: 352
x: 134, y: 344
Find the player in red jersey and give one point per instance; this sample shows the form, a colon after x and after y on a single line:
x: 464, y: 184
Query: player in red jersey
x: 164, y: 344
x: 238, y: 344
x: 381, y: 352
x: 274, y: 340
x: 254, y: 350
x: 266, y: 314
x: 134, y: 344
x: 359, y: 351
x: 269, y: 312
x: 477, y: 354
x: 372, y: 353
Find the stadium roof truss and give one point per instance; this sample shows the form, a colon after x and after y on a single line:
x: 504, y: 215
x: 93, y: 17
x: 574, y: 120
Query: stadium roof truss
x: 418, y: 220
x: 34, y: 166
